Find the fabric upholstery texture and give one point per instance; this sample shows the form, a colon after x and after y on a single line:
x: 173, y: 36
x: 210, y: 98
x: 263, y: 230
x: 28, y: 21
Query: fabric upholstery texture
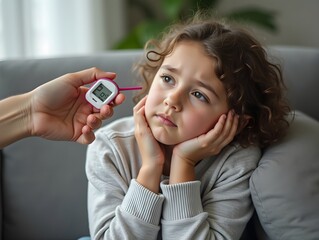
x: 285, y: 186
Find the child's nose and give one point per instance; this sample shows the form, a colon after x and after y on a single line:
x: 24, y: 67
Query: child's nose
x: 174, y: 100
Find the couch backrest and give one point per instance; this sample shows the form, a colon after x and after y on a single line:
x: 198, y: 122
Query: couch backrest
x: 300, y: 68
x: 43, y: 183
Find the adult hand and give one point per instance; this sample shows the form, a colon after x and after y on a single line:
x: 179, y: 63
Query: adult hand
x: 59, y: 110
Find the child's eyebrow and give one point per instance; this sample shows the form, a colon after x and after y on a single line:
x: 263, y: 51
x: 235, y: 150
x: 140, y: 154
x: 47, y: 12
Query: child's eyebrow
x: 201, y: 83
x: 208, y: 87
x: 170, y: 68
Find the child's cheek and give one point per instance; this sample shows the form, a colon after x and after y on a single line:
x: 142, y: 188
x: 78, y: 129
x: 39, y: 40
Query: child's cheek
x: 150, y: 105
x: 194, y: 125
x: 199, y: 124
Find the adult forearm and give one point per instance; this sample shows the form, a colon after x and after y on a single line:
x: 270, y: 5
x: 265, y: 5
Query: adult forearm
x: 14, y: 119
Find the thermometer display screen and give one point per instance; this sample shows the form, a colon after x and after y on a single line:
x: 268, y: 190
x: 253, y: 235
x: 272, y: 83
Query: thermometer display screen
x: 102, y: 92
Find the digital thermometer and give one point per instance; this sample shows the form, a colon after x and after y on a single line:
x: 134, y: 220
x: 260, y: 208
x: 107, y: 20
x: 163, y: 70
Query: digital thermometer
x: 104, y: 91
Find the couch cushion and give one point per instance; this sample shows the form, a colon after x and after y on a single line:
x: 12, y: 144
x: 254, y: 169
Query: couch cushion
x: 285, y: 186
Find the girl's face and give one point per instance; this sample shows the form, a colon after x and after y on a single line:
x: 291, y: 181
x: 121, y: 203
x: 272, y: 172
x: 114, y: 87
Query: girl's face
x: 186, y: 98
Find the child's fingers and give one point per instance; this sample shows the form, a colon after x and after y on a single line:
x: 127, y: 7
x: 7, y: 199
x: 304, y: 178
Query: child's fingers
x: 230, y: 129
x: 139, y: 111
x: 216, y: 132
x: 212, y: 142
x: 139, y: 118
x: 223, y: 132
x: 140, y: 104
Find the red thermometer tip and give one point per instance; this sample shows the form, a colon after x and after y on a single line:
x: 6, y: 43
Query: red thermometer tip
x: 130, y: 88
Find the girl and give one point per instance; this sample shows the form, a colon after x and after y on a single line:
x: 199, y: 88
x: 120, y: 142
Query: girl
x: 180, y: 168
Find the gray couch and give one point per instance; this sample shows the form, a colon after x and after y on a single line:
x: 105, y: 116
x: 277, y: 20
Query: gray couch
x: 43, y: 183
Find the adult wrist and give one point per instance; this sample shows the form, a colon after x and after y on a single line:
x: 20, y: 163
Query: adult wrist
x: 15, y: 120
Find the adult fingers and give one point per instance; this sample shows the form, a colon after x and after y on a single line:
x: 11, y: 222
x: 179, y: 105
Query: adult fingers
x: 87, y: 136
x: 120, y: 98
x: 93, y: 122
x: 88, y: 76
x: 105, y: 112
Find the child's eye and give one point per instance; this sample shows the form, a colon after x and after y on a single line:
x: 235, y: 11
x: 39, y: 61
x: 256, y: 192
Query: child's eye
x: 200, y: 96
x: 167, y: 79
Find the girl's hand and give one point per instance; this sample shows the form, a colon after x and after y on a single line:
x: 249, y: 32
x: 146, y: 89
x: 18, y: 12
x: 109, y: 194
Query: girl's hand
x: 151, y: 152
x: 188, y: 153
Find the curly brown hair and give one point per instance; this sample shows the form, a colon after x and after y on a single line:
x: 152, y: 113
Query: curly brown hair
x: 254, y: 86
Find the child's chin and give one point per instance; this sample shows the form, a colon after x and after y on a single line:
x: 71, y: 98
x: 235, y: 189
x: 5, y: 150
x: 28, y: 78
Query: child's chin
x: 161, y: 138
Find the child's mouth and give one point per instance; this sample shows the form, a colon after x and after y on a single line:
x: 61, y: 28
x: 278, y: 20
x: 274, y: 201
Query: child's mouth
x: 166, y: 120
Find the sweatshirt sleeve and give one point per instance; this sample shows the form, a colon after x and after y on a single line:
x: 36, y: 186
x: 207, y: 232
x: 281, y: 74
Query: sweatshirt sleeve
x: 182, y: 200
x: 183, y: 216
x: 216, y: 207
x: 118, y: 207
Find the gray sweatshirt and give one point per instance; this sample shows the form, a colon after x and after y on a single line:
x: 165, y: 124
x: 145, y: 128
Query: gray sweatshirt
x: 215, y: 206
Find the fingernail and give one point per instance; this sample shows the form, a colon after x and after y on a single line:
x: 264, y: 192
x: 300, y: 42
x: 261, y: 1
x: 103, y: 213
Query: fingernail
x: 113, y: 73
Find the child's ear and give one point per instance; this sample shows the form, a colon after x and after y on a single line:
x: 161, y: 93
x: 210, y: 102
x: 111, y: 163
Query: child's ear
x: 243, y: 121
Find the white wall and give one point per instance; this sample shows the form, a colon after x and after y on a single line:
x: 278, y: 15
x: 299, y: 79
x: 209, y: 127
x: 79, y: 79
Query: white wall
x: 297, y: 20
x: 84, y: 26
x: 46, y: 28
